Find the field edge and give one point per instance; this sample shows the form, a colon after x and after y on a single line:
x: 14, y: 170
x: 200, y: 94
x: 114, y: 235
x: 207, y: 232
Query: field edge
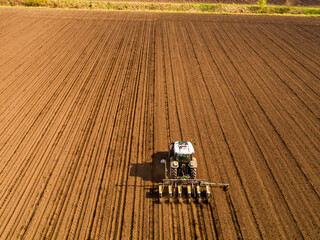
x: 164, y: 7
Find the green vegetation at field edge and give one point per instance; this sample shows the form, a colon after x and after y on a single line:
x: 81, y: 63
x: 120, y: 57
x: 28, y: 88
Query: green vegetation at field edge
x: 164, y: 7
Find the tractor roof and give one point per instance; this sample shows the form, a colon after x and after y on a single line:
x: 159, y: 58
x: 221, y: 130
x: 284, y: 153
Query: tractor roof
x: 183, y: 148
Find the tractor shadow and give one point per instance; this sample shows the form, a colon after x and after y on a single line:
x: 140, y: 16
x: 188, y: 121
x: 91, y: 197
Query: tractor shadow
x: 152, y: 172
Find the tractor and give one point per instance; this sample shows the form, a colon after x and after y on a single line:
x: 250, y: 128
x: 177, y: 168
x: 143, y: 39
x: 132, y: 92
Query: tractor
x: 182, y: 162
x: 183, y: 173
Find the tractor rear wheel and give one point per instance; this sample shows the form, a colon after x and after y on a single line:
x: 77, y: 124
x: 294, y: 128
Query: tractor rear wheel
x: 174, y: 173
x: 193, y: 173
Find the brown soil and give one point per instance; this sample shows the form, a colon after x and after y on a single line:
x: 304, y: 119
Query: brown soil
x: 90, y: 100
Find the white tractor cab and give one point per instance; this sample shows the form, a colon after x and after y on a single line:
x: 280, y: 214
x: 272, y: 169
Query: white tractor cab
x: 182, y: 163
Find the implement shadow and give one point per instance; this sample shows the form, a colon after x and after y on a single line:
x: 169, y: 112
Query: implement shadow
x: 152, y: 172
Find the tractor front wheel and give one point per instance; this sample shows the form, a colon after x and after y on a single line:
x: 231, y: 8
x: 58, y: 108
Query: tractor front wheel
x: 193, y: 173
x: 174, y: 173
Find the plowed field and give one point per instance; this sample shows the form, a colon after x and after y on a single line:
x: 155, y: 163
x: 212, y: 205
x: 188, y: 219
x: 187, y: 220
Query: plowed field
x: 90, y: 100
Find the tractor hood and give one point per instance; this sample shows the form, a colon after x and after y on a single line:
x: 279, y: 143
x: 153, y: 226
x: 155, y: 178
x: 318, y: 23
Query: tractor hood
x: 183, y: 148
